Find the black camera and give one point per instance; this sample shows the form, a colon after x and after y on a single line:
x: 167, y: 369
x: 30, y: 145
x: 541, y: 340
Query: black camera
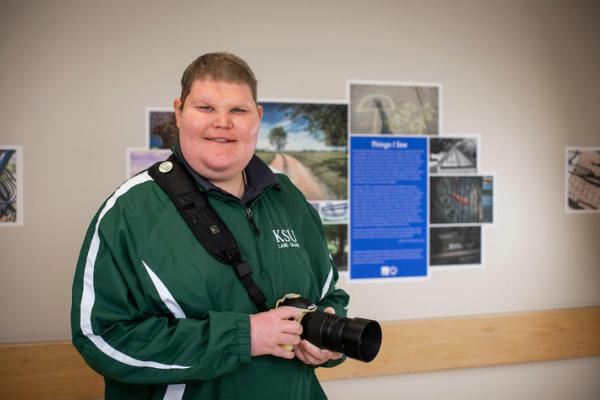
x: 357, y: 338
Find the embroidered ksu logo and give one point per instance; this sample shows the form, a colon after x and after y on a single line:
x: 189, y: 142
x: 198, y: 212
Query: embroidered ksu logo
x: 285, y: 238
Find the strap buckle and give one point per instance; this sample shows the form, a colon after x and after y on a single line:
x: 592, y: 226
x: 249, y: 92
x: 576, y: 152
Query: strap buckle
x: 242, y: 269
x: 233, y: 256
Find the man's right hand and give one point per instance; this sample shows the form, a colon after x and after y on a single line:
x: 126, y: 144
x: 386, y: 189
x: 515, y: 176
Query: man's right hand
x: 271, y: 329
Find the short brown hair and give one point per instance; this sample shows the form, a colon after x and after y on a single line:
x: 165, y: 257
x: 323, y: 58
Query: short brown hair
x: 223, y: 67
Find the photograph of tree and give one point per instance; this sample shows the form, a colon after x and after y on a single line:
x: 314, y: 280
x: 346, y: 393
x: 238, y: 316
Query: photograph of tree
x: 162, y: 128
x: 337, y: 242
x: 307, y: 142
x: 461, y: 199
x: 394, y: 108
x: 9, y: 186
x: 141, y: 159
x: 457, y: 245
x: 452, y: 155
x: 583, y: 179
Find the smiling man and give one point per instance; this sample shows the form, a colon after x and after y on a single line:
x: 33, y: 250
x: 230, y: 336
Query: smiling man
x: 160, y: 318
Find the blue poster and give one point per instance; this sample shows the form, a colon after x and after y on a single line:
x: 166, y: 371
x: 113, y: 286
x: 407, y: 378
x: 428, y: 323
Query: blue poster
x: 388, y: 207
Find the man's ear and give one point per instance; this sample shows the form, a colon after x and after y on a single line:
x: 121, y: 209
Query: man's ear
x: 260, y: 112
x: 177, y: 108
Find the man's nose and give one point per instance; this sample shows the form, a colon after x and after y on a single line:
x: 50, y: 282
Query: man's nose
x: 222, y: 120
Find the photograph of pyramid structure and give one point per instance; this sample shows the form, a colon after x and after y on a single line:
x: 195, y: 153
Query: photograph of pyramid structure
x: 453, y: 155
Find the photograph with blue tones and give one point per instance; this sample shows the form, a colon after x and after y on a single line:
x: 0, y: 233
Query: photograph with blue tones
x: 462, y: 199
x: 161, y: 128
x: 10, y: 187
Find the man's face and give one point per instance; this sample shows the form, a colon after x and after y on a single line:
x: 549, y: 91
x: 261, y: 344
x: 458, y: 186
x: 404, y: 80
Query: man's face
x: 218, y: 128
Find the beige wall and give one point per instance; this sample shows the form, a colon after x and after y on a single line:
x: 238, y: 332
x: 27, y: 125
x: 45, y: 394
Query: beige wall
x: 76, y: 76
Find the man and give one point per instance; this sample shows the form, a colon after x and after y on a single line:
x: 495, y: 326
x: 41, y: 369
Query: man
x: 157, y: 315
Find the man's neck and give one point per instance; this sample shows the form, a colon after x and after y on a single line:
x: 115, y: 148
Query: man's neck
x: 235, y: 186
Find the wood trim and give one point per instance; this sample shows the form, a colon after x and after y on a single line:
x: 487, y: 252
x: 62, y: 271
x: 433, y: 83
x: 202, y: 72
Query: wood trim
x: 54, y: 370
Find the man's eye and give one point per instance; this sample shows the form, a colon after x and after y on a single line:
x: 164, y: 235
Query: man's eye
x: 204, y: 108
x: 239, y: 110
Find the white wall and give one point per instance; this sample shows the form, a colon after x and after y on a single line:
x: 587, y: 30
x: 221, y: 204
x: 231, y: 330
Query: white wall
x: 559, y: 380
x: 76, y: 76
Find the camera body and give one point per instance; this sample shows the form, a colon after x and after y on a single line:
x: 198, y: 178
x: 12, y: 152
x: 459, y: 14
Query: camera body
x: 357, y: 338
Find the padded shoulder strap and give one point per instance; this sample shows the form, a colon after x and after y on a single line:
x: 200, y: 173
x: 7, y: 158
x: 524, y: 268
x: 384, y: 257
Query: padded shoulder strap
x: 205, y: 223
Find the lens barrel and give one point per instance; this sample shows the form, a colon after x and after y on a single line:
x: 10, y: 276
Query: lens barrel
x: 357, y: 338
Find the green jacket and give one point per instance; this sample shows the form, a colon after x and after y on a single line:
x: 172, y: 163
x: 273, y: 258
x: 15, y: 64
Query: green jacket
x: 160, y: 318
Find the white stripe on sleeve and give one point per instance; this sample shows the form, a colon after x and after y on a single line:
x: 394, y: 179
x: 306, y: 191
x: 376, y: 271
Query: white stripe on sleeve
x: 327, y: 283
x: 174, y: 392
x: 164, y: 294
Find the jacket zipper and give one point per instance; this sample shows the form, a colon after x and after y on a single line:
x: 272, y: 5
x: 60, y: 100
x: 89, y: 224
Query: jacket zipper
x: 252, y: 222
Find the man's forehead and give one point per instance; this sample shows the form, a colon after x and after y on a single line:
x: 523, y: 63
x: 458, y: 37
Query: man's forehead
x: 202, y: 85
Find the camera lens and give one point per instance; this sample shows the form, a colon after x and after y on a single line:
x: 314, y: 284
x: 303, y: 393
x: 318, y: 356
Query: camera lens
x: 356, y: 337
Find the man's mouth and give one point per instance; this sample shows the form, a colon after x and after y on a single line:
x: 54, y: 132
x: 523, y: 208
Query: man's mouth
x: 220, y: 140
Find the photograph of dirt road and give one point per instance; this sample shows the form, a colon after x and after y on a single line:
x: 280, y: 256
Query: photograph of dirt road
x: 307, y: 142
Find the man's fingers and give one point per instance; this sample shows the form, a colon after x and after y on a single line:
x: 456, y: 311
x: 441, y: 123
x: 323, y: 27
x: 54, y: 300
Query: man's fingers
x: 305, y: 357
x: 291, y: 327
x: 294, y: 340
x: 286, y: 312
x: 300, y: 355
x: 310, y: 348
x: 331, y: 355
x: 283, y: 353
x: 308, y: 357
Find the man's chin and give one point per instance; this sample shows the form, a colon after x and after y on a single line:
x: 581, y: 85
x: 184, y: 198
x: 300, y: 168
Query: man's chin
x: 220, y: 173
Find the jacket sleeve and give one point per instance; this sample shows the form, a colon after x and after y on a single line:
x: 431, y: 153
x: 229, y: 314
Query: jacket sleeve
x: 119, y: 337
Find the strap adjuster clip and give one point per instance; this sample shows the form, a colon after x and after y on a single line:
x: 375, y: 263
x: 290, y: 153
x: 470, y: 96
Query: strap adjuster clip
x: 242, y: 269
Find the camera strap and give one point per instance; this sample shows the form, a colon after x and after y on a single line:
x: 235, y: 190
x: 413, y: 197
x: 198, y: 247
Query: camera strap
x: 208, y: 227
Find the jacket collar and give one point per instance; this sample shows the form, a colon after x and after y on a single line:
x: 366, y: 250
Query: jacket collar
x: 259, y: 177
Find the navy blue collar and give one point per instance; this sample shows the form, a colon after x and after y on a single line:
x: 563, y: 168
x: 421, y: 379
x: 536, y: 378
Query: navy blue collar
x: 259, y: 177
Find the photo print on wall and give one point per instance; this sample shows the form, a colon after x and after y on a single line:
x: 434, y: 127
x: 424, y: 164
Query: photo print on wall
x: 455, y: 246
x: 11, y: 185
x: 466, y: 199
x: 453, y: 155
x: 582, y: 179
x: 140, y: 159
x: 337, y: 243
x: 307, y: 142
x: 161, y: 128
x: 394, y: 108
